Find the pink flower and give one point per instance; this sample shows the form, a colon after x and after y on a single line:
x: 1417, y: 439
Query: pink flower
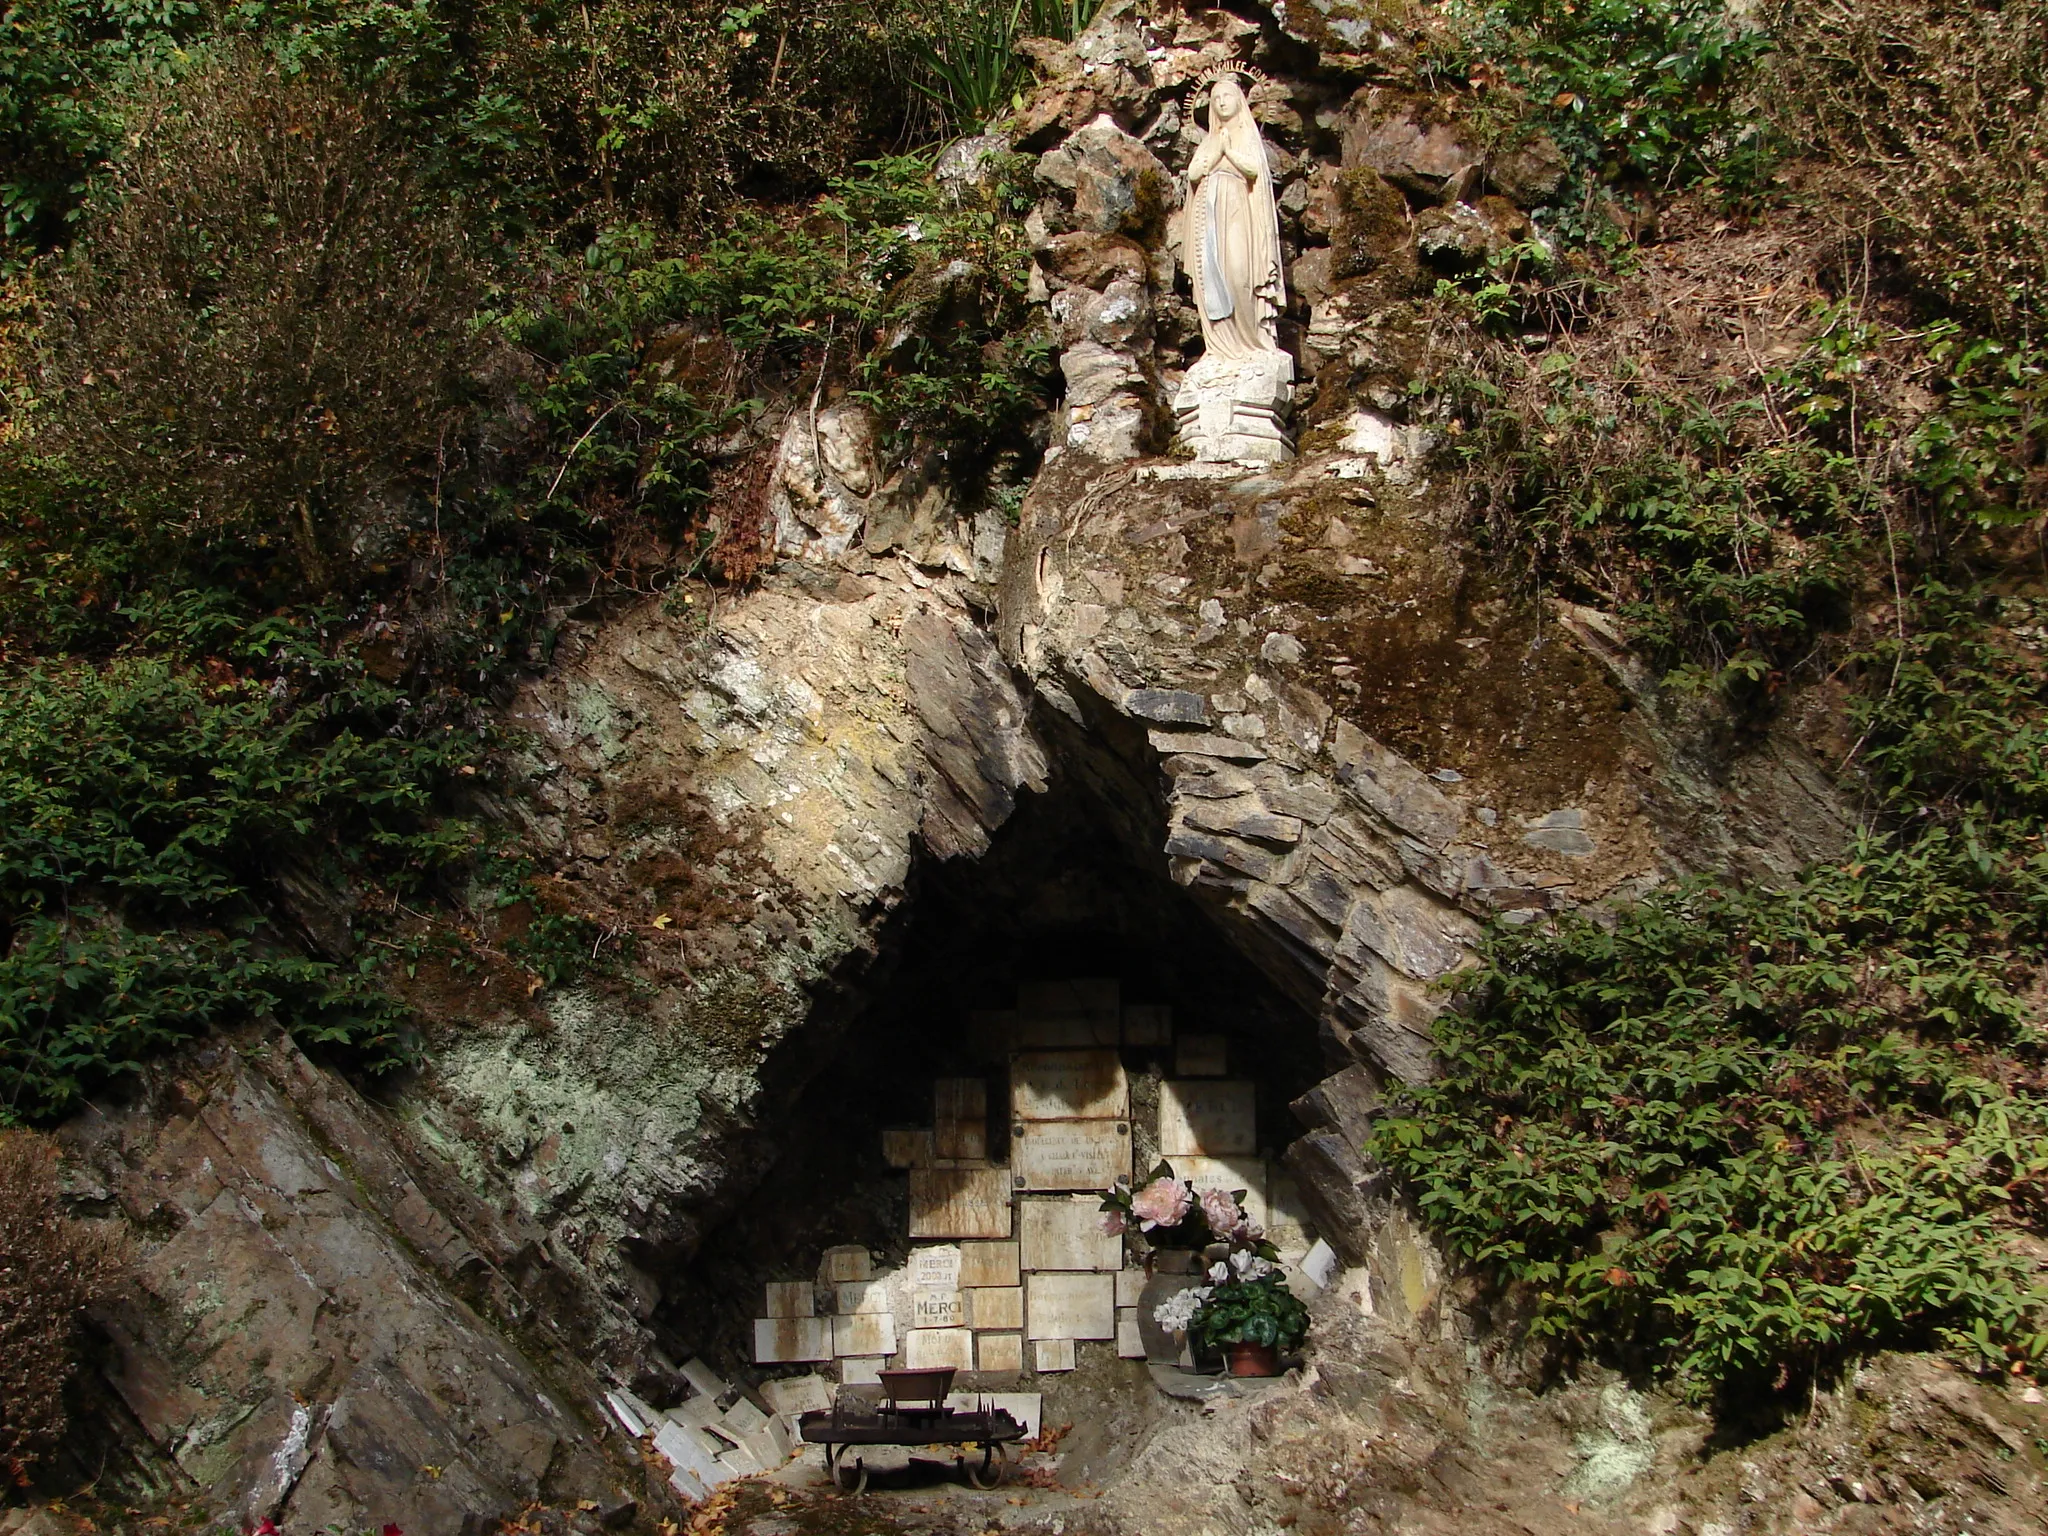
x: 1113, y: 1224
x: 1161, y: 1203
x: 1224, y: 1215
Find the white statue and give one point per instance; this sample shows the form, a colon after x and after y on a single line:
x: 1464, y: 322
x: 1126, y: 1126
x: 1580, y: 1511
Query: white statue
x: 1233, y: 403
x: 1230, y: 240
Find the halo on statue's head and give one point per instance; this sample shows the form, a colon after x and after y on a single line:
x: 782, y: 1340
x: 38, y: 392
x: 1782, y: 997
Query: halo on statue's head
x: 1246, y: 77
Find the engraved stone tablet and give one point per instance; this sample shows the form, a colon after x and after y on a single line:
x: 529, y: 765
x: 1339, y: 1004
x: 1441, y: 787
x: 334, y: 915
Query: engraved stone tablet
x: 1201, y: 1056
x: 1148, y: 1024
x: 1130, y: 1285
x: 989, y: 1264
x: 793, y: 1395
x: 960, y: 1118
x: 1066, y: 1233
x: 861, y: 1296
x: 959, y: 1202
x: 781, y: 1339
x: 1128, y: 1343
x: 791, y: 1298
x: 741, y: 1420
x: 1288, y: 1224
x: 999, y: 1353
x: 927, y: 1349
x: 1053, y: 1354
x: 937, y: 1309
x: 864, y: 1333
x: 1068, y: 1085
x: 1209, y: 1119
x: 907, y: 1147
x: 848, y: 1262
x: 1070, y: 1306
x: 703, y: 1380
x: 861, y: 1373
x: 1069, y: 1013
x: 996, y: 1306
x: 1070, y: 1154
x: 935, y: 1269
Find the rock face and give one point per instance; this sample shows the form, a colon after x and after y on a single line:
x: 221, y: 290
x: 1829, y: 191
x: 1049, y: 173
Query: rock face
x: 294, y: 1339
x: 1292, y: 691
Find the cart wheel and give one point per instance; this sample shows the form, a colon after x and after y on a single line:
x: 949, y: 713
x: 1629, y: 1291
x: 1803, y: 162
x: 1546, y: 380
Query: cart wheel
x: 847, y: 1479
x: 994, y: 1463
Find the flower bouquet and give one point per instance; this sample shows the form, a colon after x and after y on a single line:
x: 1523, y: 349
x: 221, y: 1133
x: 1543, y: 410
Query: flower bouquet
x: 1241, y: 1305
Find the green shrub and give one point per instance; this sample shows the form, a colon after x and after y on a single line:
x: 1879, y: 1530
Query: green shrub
x: 1746, y: 1135
x: 1644, y: 91
x: 147, y: 806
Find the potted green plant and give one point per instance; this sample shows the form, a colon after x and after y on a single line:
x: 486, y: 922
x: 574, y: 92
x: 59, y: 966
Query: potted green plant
x: 1250, y: 1315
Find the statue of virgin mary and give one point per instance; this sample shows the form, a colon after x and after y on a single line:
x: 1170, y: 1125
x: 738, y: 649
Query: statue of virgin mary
x: 1230, y: 235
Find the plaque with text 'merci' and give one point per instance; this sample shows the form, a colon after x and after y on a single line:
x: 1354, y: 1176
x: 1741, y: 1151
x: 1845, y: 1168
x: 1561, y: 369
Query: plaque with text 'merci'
x: 959, y: 1202
x: 1070, y: 1154
x: 1068, y: 1085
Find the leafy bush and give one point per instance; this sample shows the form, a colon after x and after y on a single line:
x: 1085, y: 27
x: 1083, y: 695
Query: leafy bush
x: 1649, y: 91
x: 1930, y: 121
x: 260, y: 329
x: 1744, y: 1135
x: 880, y: 285
x: 51, y: 1267
x: 145, y: 809
x: 967, y: 59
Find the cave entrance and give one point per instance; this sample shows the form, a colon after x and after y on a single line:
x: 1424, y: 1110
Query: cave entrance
x: 1050, y: 1016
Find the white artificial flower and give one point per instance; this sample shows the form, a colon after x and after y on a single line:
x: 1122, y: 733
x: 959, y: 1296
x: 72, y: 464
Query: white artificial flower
x: 1178, y: 1310
x: 1218, y: 1272
x: 1250, y: 1266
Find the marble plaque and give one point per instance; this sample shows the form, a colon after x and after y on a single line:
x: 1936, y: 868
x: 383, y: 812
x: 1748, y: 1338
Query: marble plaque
x: 861, y: 1296
x: 1148, y: 1024
x: 1207, y: 1119
x: 1053, y: 1354
x: 959, y: 1202
x: 998, y: 1353
x: 1069, y: 1013
x: 861, y: 1373
x: 1289, y: 1227
x: 792, y: 1298
x: 1070, y: 1154
x: 741, y: 1420
x: 691, y: 1458
x: 846, y: 1263
x: 1130, y: 1285
x: 928, y: 1349
x: 989, y: 1264
x: 1066, y: 1233
x: 864, y: 1333
x: 995, y: 1306
x: 907, y: 1147
x: 1201, y: 1056
x: 1229, y: 1174
x: 794, y: 1395
x: 937, y: 1309
x: 1070, y: 1306
x: 703, y: 1379
x: 1129, y: 1344
x: 935, y: 1269
x: 782, y: 1339
x: 1068, y: 1085
x: 960, y: 1118
x: 768, y: 1445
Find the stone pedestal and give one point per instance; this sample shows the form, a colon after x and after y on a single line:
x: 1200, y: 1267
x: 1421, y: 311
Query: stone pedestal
x: 1234, y: 410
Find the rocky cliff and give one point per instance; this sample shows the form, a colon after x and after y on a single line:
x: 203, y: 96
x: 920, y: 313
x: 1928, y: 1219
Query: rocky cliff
x: 1296, y: 700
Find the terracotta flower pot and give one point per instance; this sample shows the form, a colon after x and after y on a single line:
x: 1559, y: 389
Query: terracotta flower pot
x: 1253, y: 1359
